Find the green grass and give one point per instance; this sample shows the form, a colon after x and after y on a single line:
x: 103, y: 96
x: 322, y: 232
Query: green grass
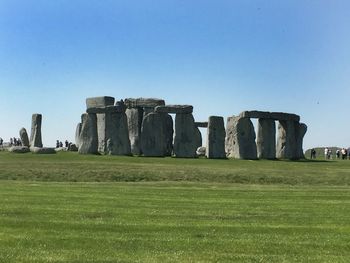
x: 72, y: 167
x: 174, y: 210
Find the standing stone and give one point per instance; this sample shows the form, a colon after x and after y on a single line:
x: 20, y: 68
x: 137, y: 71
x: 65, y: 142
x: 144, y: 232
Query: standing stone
x: 24, y: 137
x: 240, y: 138
x: 169, y: 133
x: 286, y: 140
x: 216, y: 138
x: 301, y: 130
x: 113, y: 126
x: 266, y: 141
x: 88, y: 141
x: 187, y: 136
x: 35, y: 135
x: 153, y: 135
x: 134, y: 117
x: 77, y: 134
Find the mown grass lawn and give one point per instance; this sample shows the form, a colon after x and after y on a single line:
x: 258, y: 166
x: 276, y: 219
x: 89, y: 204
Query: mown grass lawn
x: 182, y: 211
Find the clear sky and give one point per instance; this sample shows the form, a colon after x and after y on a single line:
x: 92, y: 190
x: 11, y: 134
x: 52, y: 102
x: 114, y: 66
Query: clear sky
x: 221, y: 56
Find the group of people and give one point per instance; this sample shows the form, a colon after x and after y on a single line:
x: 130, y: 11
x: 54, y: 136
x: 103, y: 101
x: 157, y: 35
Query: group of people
x: 59, y: 144
x: 339, y: 153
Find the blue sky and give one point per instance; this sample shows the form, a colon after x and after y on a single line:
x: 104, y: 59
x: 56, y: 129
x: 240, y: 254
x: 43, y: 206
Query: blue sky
x: 223, y: 57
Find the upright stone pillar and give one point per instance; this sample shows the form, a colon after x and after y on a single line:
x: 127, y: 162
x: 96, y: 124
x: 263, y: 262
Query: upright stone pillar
x: 134, y: 117
x: 24, y: 137
x: 35, y: 135
x: 240, y: 138
x: 153, y: 135
x: 286, y: 140
x: 187, y: 136
x: 266, y: 139
x: 169, y: 134
x: 301, y: 129
x: 216, y: 138
x: 88, y: 141
x: 77, y: 134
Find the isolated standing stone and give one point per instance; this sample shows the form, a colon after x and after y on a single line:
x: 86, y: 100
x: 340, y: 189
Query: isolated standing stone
x: 77, y: 134
x: 88, y: 142
x: 286, y: 140
x: 134, y: 117
x: 301, y: 129
x: 216, y: 138
x: 240, y: 138
x: 154, y: 135
x: 266, y: 139
x: 187, y: 136
x: 35, y: 135
x: 24, y: 137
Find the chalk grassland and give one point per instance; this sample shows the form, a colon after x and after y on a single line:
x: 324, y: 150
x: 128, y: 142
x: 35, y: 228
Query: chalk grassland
x: 178, y: 211
x: 72, y: 167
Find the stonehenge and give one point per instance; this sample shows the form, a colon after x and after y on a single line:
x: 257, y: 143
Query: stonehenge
x: 145, y: 127
x: 35, y: 135
x: 240, y: 136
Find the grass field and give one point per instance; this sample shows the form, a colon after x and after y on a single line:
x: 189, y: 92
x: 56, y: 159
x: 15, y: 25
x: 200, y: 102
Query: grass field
x: 64, y: 208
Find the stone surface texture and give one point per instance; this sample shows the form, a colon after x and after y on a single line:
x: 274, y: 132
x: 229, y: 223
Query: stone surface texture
x: 301, y: 129
x: 203, y: 124
x: 112, y: 127
x: 240, y: 138
x: 187, y: 136
x: 35, y: 135
x: 19, y: 149
x: 42, y: 150
x: 107, y: 109
x: 88, y: 140
x: 24, y: 137
x: 270, y: 115
x: 96, y: 102
x: 143, y: 102
x: 216, y: 138
x: 134, y: 118
x: 201, y: 151
x: 174, y: 109
x: 154, y: 135
x: 286, y: 140
x: 77, y: 134
x: 266, y: 139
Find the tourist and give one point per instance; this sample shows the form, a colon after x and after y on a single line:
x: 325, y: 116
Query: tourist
x: 57, y: 143
x: 313, y: 153
x: 1, y: 141
x: 66, y: 144
x: 343, y: 153
x: 61, y: 144
x: 11, y: 141
x: 337, y: 153
x: 326, y: 153
x: 330, y: 156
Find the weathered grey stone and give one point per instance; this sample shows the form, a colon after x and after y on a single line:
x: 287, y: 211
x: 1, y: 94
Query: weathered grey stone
x: 301, y: 129
x: 42, y: 150
x: 187, y: 136
x: 73, y: 148
x: 143, y: 102
x: 270, y: 115
x: 19, y: 149
x: 154, y: 141
x: 96, y: 102
x: 286, y: 140
x: 203, y: 124
x: 240, y: 138
x: 77, y: 134
x: 169, y: 132
x: 88, y: 140
x: 266, y: 139
x: 35, y: 135
x: 107, y: 109
x: 61, y: 149
x: 24, y: 137
x: 201, y: 151
x: 134, y: 117
x: 113, y: 127
x: 216, y: 138
x: 174, y: 109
